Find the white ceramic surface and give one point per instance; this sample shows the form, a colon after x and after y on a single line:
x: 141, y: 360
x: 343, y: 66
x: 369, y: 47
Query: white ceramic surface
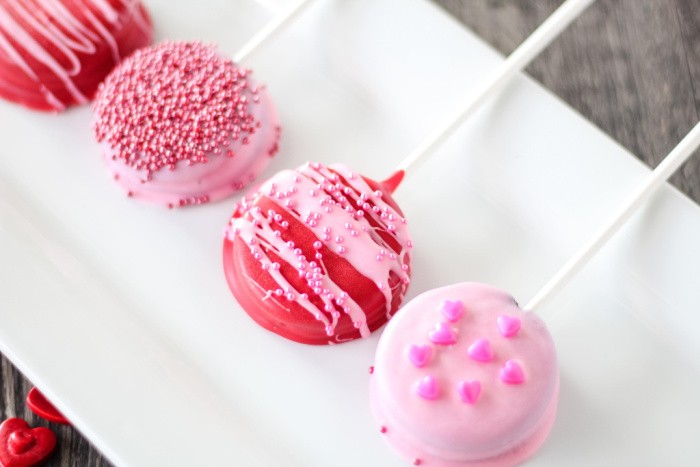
x: 120, y: 313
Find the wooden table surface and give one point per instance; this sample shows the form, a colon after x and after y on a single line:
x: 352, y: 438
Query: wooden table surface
x: 632, y: 67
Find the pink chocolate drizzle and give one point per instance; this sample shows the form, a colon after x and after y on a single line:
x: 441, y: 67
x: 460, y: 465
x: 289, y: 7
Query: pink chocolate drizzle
x: 342, y: 211
x: 45, y: 38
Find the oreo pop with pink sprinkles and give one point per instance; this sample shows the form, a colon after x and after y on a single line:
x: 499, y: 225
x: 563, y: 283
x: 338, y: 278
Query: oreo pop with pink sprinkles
x: 319, y: 254
x: 179, y: 124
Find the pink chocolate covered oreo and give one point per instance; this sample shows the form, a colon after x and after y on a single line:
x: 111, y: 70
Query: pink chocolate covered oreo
x: 478, y: 387
x: 179, y: 124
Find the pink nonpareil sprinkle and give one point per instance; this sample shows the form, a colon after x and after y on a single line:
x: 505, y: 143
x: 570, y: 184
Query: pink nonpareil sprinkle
x: 172, y: 103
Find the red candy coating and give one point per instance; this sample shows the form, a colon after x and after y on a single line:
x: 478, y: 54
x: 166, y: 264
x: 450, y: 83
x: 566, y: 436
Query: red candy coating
x: 318, y: 255
x: 54, y: 53
x: 391, y: 183
x: 41, y: 406
x: 21, y: 446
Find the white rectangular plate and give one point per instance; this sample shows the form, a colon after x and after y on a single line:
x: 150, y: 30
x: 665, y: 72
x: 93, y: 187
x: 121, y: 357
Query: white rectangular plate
x: 120, y: 313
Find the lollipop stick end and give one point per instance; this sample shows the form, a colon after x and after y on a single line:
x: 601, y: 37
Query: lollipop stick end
x: 391, y: 183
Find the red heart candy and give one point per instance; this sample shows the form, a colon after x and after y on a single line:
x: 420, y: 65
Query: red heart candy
x: 20, y: 441
x: 38, y: 404
x: 21, y: 446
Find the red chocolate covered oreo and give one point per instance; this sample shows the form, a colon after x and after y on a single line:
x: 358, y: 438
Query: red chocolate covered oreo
x: 319, y: 255
x: 54, y: 53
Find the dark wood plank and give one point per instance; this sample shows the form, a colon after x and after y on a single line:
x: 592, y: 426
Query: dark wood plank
x: 630, y: 66
x: 72, y: 448
x: 688, y: 12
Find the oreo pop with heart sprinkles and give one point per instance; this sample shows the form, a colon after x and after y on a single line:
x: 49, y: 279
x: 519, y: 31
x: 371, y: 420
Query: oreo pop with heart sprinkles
x: 179, y: 124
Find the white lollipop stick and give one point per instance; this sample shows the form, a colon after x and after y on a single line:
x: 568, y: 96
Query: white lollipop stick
x: 519, y: 59
x: 649, y: 185
x: 270, y: 30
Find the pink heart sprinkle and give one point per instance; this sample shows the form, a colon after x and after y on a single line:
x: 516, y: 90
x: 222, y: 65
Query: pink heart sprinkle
x: 469, y: 391
x: 452, y: 310
x: 427, y: 388
x: 508, y: 326
x: 512, y: 373
x: 419, y: 354
x: 481, y: 350
x: 442, y: 335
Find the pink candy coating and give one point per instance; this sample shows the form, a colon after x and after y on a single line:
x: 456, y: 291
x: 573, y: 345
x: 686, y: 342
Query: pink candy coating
x: 454, y: 410
x: 179, y: 125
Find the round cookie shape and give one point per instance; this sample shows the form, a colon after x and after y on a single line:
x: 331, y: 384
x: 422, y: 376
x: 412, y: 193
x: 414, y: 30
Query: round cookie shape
x: 319, y: 255
x: 487, y: 398
x: 179, y: 125
x: 54, y: 53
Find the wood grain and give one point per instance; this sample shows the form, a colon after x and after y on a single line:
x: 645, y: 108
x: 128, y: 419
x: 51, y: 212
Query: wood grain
x: 71, y: 449
x: 632, y: 67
